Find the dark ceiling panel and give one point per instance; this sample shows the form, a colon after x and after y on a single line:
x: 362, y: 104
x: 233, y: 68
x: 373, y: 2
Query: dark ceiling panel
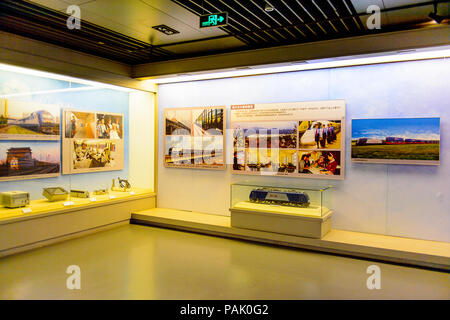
x: 291, y: 22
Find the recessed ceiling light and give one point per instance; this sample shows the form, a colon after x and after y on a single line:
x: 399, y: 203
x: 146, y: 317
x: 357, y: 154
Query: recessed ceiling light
x: 165, y: 29
x: 268, y: 7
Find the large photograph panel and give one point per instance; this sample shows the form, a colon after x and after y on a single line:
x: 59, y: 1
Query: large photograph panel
x: 288, y: 139
x: 20, y: 120
x: 29, y: 160
x: 396, y: 141
x: 195, y: 138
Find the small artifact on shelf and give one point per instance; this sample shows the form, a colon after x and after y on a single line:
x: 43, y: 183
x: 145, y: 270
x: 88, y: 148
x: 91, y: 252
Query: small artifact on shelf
x: 123, y: 185
x: 79, y: 193
x: 100, y: 192
x: 285, y: 198
x: 15, y: 199
x: 55, y: 194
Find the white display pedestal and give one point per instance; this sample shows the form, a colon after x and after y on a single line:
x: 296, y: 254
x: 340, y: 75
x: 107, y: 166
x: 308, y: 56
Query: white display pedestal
x: 289, y: 224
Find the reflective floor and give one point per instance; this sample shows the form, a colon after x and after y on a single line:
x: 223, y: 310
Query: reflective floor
x: 139, y: 262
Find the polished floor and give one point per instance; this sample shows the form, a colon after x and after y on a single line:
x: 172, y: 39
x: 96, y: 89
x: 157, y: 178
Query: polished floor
x: 139, y: 262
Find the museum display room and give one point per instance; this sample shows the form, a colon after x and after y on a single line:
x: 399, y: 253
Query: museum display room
x: 349, y: 159
x: 66, y: 151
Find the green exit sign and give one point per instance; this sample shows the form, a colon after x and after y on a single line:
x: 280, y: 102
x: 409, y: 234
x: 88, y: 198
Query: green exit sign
x: 214, y: 20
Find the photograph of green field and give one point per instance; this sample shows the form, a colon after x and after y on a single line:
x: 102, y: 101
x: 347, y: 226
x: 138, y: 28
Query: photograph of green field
x: 399, y: 151
x: 397, y: 140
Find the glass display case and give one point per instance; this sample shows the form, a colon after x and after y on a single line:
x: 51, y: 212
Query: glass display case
x: 313, y: 202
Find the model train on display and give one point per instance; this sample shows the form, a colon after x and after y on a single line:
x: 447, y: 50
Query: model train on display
x: 274, y: 196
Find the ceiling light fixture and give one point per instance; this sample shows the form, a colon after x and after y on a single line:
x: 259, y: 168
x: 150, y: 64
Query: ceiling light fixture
x: 387, y: 57
x: 433, y: 15
x: 43, y: 74
x: 268, y: 7
x: 165, y: 29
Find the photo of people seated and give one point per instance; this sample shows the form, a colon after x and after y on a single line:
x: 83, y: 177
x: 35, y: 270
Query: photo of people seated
x: 320, y: 162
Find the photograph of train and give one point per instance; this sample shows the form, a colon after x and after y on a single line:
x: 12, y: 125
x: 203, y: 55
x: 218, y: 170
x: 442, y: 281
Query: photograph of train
x: 281, y: 134
x: 20, y: 120
x: 80, y: 125
x: 94, y: 154
x: 109, y: 126
x: 19, y: 160
x: 402, y: 141
x: 320, y: 134
x: 177, y: 122
x: 319, y: 162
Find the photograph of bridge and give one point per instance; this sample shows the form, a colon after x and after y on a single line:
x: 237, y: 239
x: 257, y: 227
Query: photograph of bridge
x: 20, y: 120
x: 20, y: 160
x: 178, y: 122
x: 405, y: 140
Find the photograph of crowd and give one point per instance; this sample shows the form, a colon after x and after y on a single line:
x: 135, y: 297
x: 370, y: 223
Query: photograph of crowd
x: 94, y: 154
x: 109, y: 126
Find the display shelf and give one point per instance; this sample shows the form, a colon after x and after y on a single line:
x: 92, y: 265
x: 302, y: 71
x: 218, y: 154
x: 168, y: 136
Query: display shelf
x: 52, y: 222
x: 432, y: 254
x: 43, y: 207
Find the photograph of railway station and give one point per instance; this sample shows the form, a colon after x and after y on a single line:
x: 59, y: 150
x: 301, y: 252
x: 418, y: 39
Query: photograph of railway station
x: 20, y: 120
x: 403, y: 140
x: 37, y: 159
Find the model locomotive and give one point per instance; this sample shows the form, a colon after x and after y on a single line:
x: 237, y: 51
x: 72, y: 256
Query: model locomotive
x: 274, y: 196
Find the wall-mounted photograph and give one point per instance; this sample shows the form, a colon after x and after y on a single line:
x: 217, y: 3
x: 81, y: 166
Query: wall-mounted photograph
x: 89, y: 155
x: 326, y: 163
x: 320, y: 134
x: 194, y: 138
x: 178, y: 122
x: 29, y: 160
x: 20, y: 120
x: 208, y: 122
x: 80, y: 125
x: 109, y: 126
x: 396, y: 141
x: 282, y: 134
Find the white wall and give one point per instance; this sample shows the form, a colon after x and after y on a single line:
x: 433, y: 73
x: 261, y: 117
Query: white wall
x: 142, y: 143
x: 400, y: 200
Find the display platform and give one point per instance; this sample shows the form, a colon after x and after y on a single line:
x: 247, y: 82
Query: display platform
x: 431, y: 254
x: 311, y: 211
x: 295, y: 211
x: 51, y: 222
x: 278, y: 221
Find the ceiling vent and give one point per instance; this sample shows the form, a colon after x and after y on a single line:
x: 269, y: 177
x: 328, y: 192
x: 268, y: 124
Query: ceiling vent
x: 165, y: 29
